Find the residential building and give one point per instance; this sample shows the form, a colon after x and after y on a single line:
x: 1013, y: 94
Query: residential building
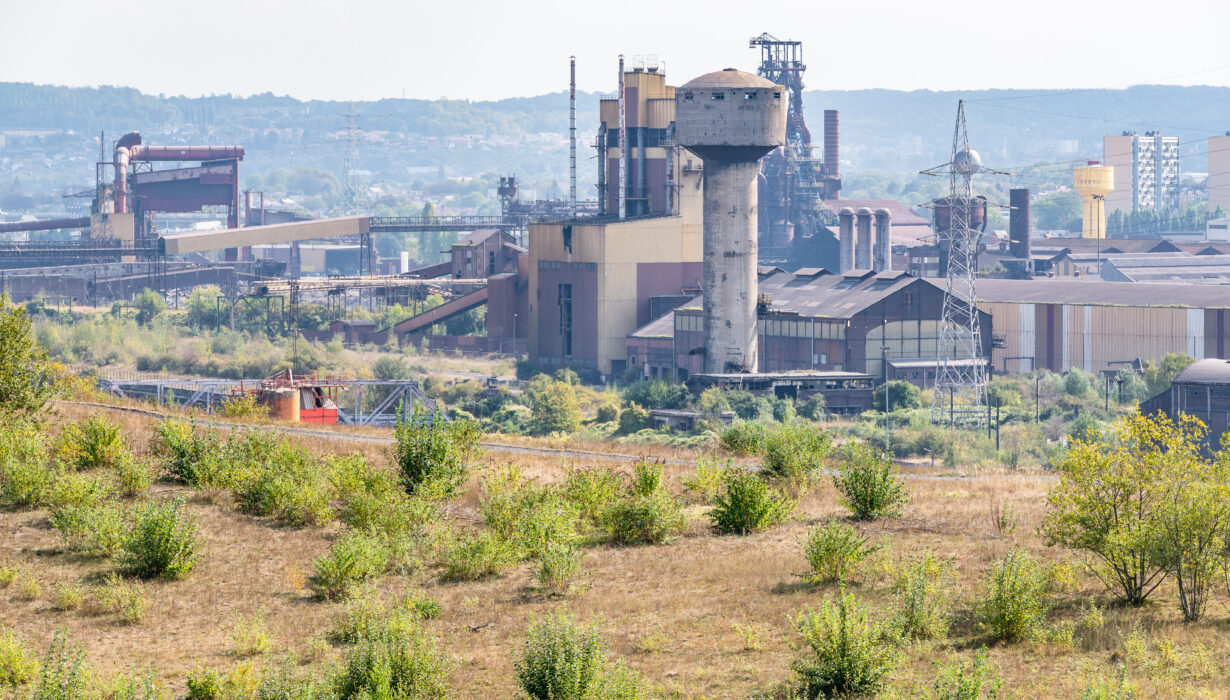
x: 1146, y: 170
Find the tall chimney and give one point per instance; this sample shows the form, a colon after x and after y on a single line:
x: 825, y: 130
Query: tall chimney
x: 730, y: 119
x: 862, y: 250
x: 884, y: 244
x: 623, y: 144
x: 1018, y: 223
x: 572, y: 138
x: 845, y: 254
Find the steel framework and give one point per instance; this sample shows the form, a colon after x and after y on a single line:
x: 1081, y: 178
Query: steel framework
x: 961, y: 376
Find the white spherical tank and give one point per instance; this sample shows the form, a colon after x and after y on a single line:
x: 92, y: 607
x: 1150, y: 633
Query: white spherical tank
x: 967, y: 161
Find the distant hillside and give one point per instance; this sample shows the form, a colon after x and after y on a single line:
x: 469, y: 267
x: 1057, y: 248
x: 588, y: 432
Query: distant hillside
x: 405, y: 140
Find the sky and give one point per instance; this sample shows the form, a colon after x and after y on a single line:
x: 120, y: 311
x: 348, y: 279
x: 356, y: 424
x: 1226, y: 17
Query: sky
x: 492, y: 49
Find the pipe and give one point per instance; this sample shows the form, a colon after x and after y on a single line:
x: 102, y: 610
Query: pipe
x: 178, y: 153
x: 845, y: 250
x: 44, y: 225
x: 121, y: 180
x: 642, y: 189
x: 572, y: 140
x: 884, y: 244
x: 862, y: 249
x: 602, y: 165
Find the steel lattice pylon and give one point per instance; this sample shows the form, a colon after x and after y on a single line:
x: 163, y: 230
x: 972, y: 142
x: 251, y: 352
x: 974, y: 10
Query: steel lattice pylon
x: 960, y: 390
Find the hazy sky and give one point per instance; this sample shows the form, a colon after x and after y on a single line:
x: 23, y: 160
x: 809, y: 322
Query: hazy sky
x: 485, y: 49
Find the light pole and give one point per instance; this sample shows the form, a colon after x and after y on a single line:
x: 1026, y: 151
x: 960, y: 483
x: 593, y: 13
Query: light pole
x: 887, y: 404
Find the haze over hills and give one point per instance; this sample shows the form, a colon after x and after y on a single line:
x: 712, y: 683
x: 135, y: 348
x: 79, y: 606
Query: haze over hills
x: 408, y: 141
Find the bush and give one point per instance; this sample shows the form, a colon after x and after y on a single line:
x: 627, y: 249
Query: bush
x: 477, y: 557
x: 554, y: 406
x: 204, y: 684
x: 25, y: 475
x: 62, y: 672
x: 250, y: 635
x: 91, y: 529
x: 813, y: 408
x: 67, y: 597
x: 978, y: 682
x: 558, y: 567
x: 560, y: 660
x: 164, y: 542
x: 92, y: 443
x: 591, y: 491
x: 243, y: 407
x: 655, y: 393
x: 834, y: 551
x: 1012, y: 607
x: 902, y: 395
x: 607, y: 413
x: 923, y: 598
x: 646, y: 477
x: 353, y: 559
x: 17, y: 665
x: 133, y: 475
x: 289, y: 486
x: 433, y: 451
x: 186, y: 450
x: 748, y: 505
x: 1191, y: 533
x: 25, y: 369
x: 633, y: 419
x: 706, y: 482
x: 850, y: 654
x: 652, y: 519
x: 366, y: 618
x: 868, y: 483
x: 123, y: 598
x: 743, y: 438
x: 135, y: 686
x: 795, y: 451
x: 402, y: 663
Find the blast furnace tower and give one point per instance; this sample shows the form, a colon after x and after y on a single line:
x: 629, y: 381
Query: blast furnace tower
x: 730, y: 119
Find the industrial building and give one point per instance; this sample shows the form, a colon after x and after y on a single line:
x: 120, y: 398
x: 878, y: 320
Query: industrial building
x: 1095, y: 325
x: 812, y: 319
x: 1201, y: 390
x: 1219, y: 174
x: 1176, y: 268
x: 1146, y: 170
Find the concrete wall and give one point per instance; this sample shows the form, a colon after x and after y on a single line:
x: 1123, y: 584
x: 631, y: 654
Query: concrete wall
x: 1219, y: 174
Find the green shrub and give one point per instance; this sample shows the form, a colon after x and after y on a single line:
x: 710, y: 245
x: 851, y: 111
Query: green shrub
x: 633, y: 419
x: 17, y: 665
x: 977, y: 682
x: 71, y: 489
x: 1106, y: 689
x: 869, y: 484
x: 554, y: 406
x: 398, y: 663
x: 591, y: 491
x: 706, y: 482
x: 67, y: 597
x: 136, y: 686
x: 25, y: 368
x: 353, y: 559
x: 185, y: 449
x: 607, y: 413
x: 244, y: 407
x: 204, y: 684
x: 848, y: 653
x: 8, y: 574
x: 1012, y: 607
x: 560, y: 660
x: 62, y: 672
x: 250, y: 635
x: 364, y: 617
x: 25, y: 472
x: 477, y: 557
x: 558, y: 567
x: 646, y: 477
x: 92, y: 443
x: 91, y: 529
x: 743, y: 438
x: 655, y: 393
x: 749, y: 505
x: 901, y: 395
x: 133, y: 475
x: 651, y: 519
x: 432, y: 450
x: 834, y: 552
x: 164, y: 542
x: 923, y: 599
x: 813, y: 407
x: 423, y: 606
x: 290, y: 486
x: 123, y: 598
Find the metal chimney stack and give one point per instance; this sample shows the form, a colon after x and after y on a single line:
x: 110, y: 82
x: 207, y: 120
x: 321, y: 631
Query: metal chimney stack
x: 884, y: 243
x: 862, y: 251
x: 845, y: 254
x: 1018, y: 223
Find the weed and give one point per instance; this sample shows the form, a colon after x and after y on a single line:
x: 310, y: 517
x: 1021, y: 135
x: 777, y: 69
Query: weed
x: 652, y: 519
x: 750, y: 635
x: 1003, y: 519
x: 92, y: 443
x: 591, y: 491
x: 922, y: 592
x: 186, y: 450
x: 62, y: 672
x: 834, y: 552
x: 422, y: 605
x: 1106, y: 689
x: 29, y: 589
x: 363, y: 617
x: 17, y: 665
x: 25, y: 472
x: 353, y: 559
x: 749, y: 505
x: 133, y: 475
x: 477, y: 557
x: 868, y: 483
x: 67, y: 597
x: 743, y: 438
x: 1012, y: 607
x: 164, y: 542
x: 646, y: 477
x: 250, y: 635
x: 850, y: 653
x: 136, y: 686
x: 8, y: 574
x: 124, y: 598
x: 204, y: 684
x: 558, y: 567
x: 976, y: 682
x: 705, y: 483
x: 289, y: 486
x: 244, y: 407
x: 560, y: 659
x: 796, y: 450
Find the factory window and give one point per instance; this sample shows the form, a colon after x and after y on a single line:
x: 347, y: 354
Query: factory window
x: 687, y: 95
x: 491, y: 262
x: 565, y: 317
x: 717, y: 96
x: 749, y: 95
x: 777, y: 96
x: 567, y: 238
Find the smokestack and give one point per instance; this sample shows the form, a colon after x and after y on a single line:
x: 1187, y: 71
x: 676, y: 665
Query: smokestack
x: 405, y: 262
x: 884, y: 243
x: 845, y: 254
x: 730, y: 119
x: 623, y: 143
x: 862, y: 250
x: 121, y: 180
x: 832, y: 145
x: 1018, y: 223
x: 572, y: 138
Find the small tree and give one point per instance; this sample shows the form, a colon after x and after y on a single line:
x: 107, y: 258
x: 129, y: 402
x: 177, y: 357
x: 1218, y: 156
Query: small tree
x: 1111, y: 495
x: 869, y: 484
x: 433, y: 451
x: 796, y: 450
x: 850, y: 653
x: 1191, y: 531
x: 901, y: 394
x: 555, y: 406
x: 149, y: 304
x: 25, y: 382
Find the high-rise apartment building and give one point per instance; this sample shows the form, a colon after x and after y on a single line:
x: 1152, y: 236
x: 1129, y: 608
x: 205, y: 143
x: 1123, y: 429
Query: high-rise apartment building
x: 1146, y: 170
x: 1219, y: 173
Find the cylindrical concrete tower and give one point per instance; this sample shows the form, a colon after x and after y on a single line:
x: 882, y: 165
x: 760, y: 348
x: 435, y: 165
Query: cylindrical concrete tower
x: 884, y: 244
x: 1093, y: 182
x: 845, y: 240
x: 862, y: 251
x: 730, y: 119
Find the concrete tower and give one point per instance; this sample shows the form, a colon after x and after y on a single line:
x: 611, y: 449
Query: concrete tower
x: 1093, y: 183
x: 730, y: 119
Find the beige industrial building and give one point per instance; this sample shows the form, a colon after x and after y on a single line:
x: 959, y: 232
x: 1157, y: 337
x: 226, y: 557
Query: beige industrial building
x: 1219, y: 173
x: 1093, y: 326
x: 1146, y: 170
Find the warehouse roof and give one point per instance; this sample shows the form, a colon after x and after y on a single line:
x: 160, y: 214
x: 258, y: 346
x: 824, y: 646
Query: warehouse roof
x: 1208, y: 371
x: 1100, y: 293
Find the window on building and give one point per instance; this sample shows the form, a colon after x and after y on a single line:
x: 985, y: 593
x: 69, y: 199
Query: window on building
x: 749, y: 95
x: 491, y: 262
x: 565, y: 317
x: 717, y: 96
x: 567, y: 238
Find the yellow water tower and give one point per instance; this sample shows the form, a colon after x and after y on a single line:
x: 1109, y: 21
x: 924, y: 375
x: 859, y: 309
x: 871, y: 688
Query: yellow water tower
x: 1093, y: 182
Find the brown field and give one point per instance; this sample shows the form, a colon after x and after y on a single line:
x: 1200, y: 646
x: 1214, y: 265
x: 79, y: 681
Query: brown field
x: 704, y: 616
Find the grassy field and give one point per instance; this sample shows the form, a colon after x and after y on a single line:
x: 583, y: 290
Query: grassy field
x: 702, y: 616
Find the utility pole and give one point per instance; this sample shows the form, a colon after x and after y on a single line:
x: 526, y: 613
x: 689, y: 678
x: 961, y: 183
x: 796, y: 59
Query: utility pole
x: 887, y: 403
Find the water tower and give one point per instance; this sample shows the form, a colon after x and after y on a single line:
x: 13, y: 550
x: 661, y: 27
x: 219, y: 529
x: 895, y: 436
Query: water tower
x: 730, y: 119
x: 1093, y: 182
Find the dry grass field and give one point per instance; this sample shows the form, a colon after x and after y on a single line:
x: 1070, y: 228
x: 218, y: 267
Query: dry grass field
x: 703, y: 616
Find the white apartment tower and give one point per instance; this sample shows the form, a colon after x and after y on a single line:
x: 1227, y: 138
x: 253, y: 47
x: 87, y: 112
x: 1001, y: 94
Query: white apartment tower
x: 1146, y: 170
